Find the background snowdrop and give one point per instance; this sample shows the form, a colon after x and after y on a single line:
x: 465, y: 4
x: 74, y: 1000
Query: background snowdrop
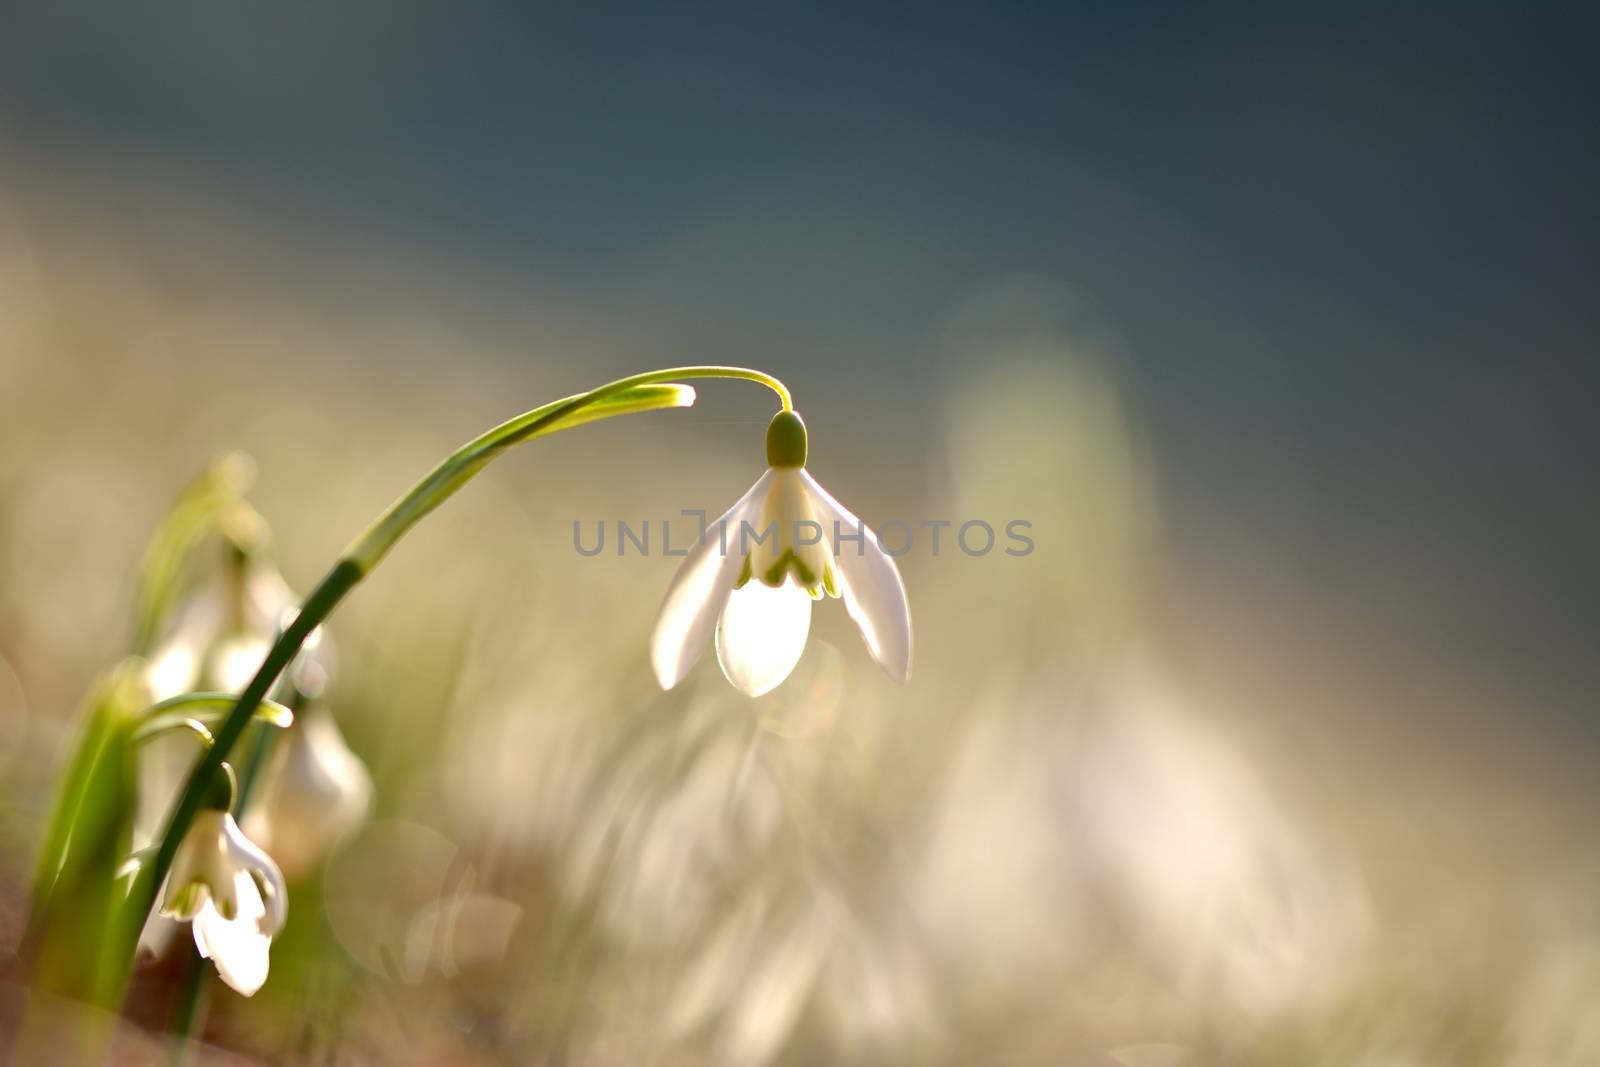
x: 313, y: 793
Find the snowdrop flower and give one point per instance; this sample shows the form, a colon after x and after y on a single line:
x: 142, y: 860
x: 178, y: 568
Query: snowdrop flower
x: 755, y: 572
x: 222, y: 631
x: 317, y: 792
x: 229, y: 891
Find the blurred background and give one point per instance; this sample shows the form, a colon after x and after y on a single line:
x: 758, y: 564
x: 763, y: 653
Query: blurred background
x: 1277, y: 324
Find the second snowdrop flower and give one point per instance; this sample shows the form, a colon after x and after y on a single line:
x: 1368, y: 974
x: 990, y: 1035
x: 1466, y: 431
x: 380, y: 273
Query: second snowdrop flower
x: 318, y: 792
x: 229, y: 891
x: 755, y: 572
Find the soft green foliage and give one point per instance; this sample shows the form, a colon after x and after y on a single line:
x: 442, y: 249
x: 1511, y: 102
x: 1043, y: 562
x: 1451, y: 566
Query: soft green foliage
x: 76, y: 890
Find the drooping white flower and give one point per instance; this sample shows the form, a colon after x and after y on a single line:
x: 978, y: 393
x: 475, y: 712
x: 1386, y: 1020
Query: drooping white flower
x: 221, y: 632
x: 756, y: 570
x: 232, y: 895
x: 315, y: 793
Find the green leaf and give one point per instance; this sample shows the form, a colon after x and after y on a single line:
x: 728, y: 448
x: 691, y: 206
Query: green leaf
x: 67, y: 945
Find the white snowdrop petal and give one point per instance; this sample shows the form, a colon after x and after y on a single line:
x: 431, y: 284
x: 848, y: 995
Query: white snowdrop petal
x: 237, y: 947
x: 275, y: 897
x: 224, y: 896
x: 784, y: 521
x: 157, y: 936
x: 761, y: 634
x: 319, y: 792
x: 697, y: 594
x: 183, y: 899
x: 870, y: 584
x: 199, y: 869
x: 246, y: 857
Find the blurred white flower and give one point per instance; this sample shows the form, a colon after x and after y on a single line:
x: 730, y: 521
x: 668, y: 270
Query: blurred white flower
x: 232, y: 894
x: 317, y: 792
x: 793, y: 538
x: 222, y: 632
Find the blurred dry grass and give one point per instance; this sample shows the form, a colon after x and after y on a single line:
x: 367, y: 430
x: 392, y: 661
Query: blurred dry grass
x: 1050, y: 847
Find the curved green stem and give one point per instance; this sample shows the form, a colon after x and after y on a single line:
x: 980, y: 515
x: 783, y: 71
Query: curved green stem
x: 640, y: 392
x: 177, y: 712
